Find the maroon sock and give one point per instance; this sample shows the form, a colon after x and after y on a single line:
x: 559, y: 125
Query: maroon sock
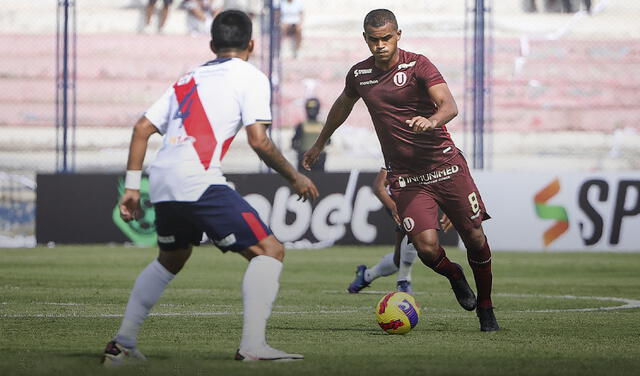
x: 480, y: 262
x: 443, y: 266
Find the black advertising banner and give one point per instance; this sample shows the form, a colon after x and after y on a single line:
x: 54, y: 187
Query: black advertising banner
x: 82, y: 208
x: 76, y: 208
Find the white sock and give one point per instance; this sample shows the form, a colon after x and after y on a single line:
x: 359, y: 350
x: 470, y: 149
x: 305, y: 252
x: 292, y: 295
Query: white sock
x: 259, y: 289
x: 408, y: 255
x: 145, y: 293
x: 384, y: 268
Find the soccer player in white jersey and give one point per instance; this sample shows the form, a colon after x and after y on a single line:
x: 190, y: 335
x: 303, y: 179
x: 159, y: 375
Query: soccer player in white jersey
x: 199, y: 116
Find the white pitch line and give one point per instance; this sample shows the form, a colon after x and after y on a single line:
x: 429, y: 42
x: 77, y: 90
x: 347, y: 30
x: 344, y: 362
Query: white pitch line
x: 628, y: 303
x: 170, y: 314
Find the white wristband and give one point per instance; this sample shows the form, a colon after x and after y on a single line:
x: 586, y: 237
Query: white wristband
x: 132, y: 179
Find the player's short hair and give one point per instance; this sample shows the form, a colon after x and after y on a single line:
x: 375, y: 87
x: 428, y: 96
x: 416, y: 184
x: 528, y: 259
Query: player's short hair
x: 379, y: 18
x: 231, y: 29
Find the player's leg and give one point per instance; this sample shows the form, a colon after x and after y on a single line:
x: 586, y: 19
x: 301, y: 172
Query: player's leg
x: 233, y: 225
x: 147, y: 289
x: 364, y: 276
x: 259, y: 290
x: 175, y: 239
x: 435, y: 257
x: 462, y: 203
x: 406, y: 255
x: 419, y: 213
x: 479, y: 257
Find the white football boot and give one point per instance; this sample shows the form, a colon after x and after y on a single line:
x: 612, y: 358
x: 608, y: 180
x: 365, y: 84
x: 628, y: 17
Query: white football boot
x: 117, y: 355
x: 265, y: 352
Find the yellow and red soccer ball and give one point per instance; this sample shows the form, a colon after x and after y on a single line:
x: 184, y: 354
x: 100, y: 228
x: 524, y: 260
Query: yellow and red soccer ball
x: 397, y: 313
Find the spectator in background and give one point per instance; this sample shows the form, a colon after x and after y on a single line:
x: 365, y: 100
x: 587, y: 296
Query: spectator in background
x: 200, y: 14
x: 291, y: 12
x: 529, y: 6
x: 306, y: 134
x: 164, y: 13
x: 252, y: 8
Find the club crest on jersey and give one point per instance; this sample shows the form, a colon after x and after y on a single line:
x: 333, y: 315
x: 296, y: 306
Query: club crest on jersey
x: 408, y: 224
x: 357, y: 72
x: 400, y: 79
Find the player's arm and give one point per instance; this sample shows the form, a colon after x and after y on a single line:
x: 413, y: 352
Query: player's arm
x: 445, y: 223
x: 269, y: 153
x: 380, y: 190
x: 446, y: 110
x: 130, y: 200
x: 339, y: 112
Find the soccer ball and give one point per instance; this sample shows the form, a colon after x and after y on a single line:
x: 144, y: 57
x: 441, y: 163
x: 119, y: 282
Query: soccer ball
x: 397, y: 313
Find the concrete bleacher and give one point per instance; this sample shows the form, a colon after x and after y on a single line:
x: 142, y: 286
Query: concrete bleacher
x: 562, y: 85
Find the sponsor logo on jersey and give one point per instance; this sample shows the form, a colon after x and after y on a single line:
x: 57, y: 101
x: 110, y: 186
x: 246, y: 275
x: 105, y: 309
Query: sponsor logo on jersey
x: 370, y: 82
x: 358, y: 72
x: 400, y: 78
x: 408, y: 224
x: 429, y: 177
x: 406, y: 65
x: 177, y: 140
x: 226, y: 241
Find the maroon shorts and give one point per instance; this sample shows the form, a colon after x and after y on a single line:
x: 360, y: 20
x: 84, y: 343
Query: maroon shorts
x: 450, y: 186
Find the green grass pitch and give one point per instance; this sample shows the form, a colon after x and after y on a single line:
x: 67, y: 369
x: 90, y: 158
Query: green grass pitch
x: 58, y: 308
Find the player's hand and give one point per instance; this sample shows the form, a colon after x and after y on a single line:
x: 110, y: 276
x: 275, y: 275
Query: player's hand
x: 305, y: 188
x: 130, y: 205
x: 445, y: 223
x: 394, y: 213
x: 421, y: 124
x: 310, y: 157
x: 396, y: 217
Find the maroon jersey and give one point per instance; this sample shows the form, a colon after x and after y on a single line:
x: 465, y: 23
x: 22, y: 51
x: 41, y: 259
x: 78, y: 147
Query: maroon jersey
x: 397, y: 95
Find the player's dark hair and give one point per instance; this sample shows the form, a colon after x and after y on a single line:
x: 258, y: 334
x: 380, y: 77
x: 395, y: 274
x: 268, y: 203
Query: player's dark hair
x: 380, y: 17
x: 231, y: 29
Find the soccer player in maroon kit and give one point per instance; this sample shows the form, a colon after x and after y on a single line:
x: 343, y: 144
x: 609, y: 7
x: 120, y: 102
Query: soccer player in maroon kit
x: 410, y: 103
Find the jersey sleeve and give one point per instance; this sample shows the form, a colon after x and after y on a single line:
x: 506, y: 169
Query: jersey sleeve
x: 159, y: 113
x: 350, y: 85
x: 427, y: 73
x: 256, y: 101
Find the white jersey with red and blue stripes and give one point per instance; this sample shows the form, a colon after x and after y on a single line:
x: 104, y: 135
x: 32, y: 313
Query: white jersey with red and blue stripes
x: 199, y: 116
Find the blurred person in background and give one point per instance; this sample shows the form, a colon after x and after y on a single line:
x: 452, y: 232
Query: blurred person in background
x: 150, y: 9
x: 291, y: 17
x: 200, y: 14
x: 252, y: 8
x: 306, y: 134
x: 530, y: 6
x: 410, y: 104
x: 199, y: 116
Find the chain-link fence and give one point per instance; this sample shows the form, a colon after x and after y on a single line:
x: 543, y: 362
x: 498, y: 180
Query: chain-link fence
x: 564, y: 81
